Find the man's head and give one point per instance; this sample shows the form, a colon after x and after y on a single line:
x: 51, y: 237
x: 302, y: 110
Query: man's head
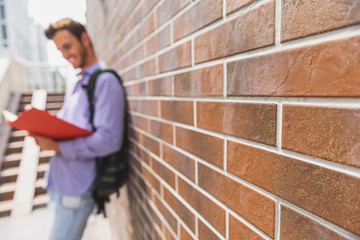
x: 71, y: 38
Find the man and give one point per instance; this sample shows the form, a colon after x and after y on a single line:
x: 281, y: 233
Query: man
x: 72, y: 169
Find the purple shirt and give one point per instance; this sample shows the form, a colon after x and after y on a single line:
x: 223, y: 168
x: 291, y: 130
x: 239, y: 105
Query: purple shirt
x: 72, y: 171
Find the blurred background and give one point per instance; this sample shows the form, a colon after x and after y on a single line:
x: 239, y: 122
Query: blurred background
x: 28, y: 60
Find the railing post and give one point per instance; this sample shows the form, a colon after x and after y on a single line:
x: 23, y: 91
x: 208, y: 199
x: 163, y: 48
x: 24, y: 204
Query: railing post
x: 25, y: 184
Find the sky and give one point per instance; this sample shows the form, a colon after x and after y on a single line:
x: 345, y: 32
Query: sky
x: 45, y: 12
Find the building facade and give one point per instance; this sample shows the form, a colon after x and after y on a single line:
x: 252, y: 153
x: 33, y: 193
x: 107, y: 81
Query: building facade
x: 20, y: 37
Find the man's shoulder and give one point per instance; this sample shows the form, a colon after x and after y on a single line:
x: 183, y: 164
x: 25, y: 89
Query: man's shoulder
x: 108, y: 80
x: 105, y: 73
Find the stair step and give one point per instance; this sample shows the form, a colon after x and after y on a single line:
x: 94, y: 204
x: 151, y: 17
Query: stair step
x: 26, y: 94
x: 55, y: 98
x: 25, y: 99
x: 9, y: 175
x: 41, y: 201
x: 39, y: 187
x: 45, y: 156
x: 11, y: 160
x: 42, y: 168
x: 55, y: 94
x: 22, y: 107
x: 53, y: 106
x: 7, y: 191
x: 15, y: 147
x: 5, y: 208
x: 53, y: 112
x: 18, y: 135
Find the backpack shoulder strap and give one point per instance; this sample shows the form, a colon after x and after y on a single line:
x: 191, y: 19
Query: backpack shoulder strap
x: 90, y: 89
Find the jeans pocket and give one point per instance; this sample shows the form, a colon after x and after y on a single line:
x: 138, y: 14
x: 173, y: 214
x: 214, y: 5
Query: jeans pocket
x: 71, y: 202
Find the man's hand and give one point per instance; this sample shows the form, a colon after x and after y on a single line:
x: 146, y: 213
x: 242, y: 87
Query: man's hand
x: 46, y: 143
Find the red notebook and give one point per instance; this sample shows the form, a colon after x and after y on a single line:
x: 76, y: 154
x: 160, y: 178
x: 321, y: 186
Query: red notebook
x: 43, y: 123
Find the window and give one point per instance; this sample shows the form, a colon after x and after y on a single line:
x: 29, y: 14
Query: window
x: 3, y: 31
x: 2, y: 11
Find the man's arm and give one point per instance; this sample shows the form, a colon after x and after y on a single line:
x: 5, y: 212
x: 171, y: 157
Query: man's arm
x: 108, y: 120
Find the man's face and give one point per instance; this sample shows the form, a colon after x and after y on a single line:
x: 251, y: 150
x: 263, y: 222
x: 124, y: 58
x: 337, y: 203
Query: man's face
x: 71, y: 48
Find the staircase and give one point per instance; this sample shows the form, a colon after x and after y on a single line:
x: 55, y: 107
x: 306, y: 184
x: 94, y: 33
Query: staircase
x: 10, y: 161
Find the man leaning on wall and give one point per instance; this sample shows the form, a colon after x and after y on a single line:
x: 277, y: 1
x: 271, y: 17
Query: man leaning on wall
x: 72, y: 169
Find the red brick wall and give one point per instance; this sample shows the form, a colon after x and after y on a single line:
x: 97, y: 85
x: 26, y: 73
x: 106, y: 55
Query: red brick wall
x: 245, y: 117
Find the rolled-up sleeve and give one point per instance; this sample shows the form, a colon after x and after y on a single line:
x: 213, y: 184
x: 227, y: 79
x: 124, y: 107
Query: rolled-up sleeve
x: 108, y: 120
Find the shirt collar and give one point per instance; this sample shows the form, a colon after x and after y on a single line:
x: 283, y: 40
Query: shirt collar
x: 84, y: 76
x: 90, y: 70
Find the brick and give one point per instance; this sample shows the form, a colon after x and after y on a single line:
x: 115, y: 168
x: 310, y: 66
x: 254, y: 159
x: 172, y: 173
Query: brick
x: 148, y: 107
x: 161, y: 130
x: 137, y: 136
x: 131, y: 22
x: 165, y: 173
x: 202, y: 82
x: 158, y: 234
x: 151, y: 179
x: 238, y: 230
x: 147, y: 219
x: 144, y: 156
x: 251, y: 121
x: 178, y: 111
x: 135, y: 56
x: 136, y: 179
x: 184, y: 234
x: 130, y: 43
x: 168, y: 216
x: 180, y: 162
x: 147, y: 69
x: 135, y: 37
x: 320, y: 70
x: 168, y: 234
x: 255, y: 207
x: 175, y: 58
x: 135, y: 164
x: 139, y: 122
x: 159, y: 41
x: 234, y: 5
x: 331, y: 195
x: 129, y: 75
x: 118, y: 64
x: 148, y: 5
x: 198, y: 16
x: 300, y: 19
x: 207, y: 208
x: 326, y: 132
x: 181, y: 210
x: 158, y: 220
x: 138, y: 89
x: 148, y: 196
x: 168, y: 9
x: 205, y: 233
x: 202, y: 145
x: 147, y: 27
x: 251, y: 30
x: 160, y: 87
x: 294, y: 226
x: 152, y: 145
x: 133, y: 105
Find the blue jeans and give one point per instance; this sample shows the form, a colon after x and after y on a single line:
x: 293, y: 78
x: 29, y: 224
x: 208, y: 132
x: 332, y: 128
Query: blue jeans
x: 70, y: 214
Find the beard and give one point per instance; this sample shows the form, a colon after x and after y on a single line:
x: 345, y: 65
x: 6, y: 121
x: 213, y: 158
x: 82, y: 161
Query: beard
x: 83, y: 56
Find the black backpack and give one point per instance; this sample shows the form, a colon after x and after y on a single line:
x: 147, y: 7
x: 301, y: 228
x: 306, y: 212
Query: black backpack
x: 111, y: 170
